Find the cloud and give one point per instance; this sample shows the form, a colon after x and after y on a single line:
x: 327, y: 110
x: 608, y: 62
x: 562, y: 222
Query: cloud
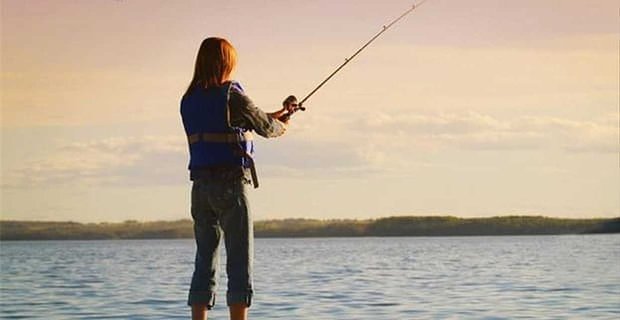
x: 363, y: 145
x: 475, y: 131
x: 128, y: 161
x: 380, y: 143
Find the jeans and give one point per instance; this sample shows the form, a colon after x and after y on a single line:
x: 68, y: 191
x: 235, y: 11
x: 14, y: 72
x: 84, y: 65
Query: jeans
x: 219, y: 206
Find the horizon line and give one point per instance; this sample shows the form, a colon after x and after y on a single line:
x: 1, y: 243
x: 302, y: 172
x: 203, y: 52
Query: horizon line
x: 326, y: 219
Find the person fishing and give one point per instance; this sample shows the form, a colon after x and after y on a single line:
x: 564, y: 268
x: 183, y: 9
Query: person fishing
x: 219, y: 119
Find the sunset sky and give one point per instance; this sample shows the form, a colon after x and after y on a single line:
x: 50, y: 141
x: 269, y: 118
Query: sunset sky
x: 465, y: 108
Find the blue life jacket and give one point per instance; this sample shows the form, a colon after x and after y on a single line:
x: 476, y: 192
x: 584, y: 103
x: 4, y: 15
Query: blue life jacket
x: 212, y: 140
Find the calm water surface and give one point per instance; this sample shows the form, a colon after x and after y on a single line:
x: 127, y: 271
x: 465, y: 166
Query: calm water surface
x: 529, y: 277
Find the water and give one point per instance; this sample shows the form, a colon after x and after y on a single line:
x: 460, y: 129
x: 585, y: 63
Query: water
x: 527, y: 277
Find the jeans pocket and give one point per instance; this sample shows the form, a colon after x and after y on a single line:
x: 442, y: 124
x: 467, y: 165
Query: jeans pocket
x: 227, y: 194
x: 198, y: 199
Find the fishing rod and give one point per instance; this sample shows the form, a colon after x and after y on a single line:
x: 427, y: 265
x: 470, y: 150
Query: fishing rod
x: 300, y: 106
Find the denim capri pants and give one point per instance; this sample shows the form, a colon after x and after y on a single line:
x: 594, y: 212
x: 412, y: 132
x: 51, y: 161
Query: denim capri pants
x: 219, y: 207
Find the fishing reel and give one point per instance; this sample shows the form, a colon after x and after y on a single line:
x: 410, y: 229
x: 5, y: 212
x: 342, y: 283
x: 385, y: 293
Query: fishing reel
x: 291, y: 106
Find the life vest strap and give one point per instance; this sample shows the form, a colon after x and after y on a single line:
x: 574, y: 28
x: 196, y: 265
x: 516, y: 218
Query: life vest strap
x: 252, y: 166
x: 220, y: 137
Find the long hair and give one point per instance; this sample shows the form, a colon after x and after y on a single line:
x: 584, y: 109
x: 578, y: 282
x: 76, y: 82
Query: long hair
x: 215, y: 62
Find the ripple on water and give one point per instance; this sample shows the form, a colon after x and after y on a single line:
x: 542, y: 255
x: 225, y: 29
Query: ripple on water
x: 546, y: 277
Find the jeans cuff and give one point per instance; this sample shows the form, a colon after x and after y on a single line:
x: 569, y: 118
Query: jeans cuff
x: 239, y: 297
x: 201, y: 297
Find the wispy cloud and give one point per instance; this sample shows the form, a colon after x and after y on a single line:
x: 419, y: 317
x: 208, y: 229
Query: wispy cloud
x: 472, y: 130
x: 361, y: 146
x: 117, y: 160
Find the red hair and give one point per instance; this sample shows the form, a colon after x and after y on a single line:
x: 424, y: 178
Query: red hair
x: 215, y: 62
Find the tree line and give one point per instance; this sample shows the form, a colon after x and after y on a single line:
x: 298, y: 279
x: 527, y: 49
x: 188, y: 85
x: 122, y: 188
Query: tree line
x: 389, y: 226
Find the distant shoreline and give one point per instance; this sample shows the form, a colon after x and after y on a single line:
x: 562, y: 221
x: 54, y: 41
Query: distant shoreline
x: 304, y: 228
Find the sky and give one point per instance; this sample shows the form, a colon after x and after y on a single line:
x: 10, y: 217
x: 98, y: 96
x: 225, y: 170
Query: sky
x: 465, y: 108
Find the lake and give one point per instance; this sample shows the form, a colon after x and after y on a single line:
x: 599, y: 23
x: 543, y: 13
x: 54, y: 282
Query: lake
x: 509, y: 277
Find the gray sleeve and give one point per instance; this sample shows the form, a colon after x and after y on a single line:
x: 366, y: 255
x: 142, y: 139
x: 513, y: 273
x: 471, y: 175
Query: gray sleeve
x: 244, y: 114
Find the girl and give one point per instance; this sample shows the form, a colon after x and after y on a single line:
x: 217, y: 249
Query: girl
x: 219, y: 119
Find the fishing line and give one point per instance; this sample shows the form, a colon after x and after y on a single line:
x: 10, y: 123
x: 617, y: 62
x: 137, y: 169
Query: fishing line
x: 347, y: 60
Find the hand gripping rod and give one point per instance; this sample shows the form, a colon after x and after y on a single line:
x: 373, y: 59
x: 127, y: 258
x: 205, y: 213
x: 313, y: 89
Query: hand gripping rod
x: 347, y: 60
